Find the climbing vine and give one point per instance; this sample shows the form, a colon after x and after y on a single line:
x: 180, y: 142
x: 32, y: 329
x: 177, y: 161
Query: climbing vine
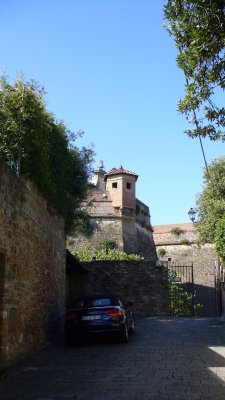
x: 181, y: 300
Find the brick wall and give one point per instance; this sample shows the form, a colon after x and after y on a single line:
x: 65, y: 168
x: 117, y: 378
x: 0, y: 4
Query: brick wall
x: 32, y: 267
x: 144, y: 283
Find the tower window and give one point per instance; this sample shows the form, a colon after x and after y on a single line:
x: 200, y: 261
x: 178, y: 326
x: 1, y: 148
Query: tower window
x: 114, y: 185
x: 128, y: 185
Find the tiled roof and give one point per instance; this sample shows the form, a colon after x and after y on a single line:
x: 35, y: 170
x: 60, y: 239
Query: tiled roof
x: 119, y: 171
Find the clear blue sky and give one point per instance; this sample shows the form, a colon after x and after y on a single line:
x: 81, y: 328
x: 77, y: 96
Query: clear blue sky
x: 109, y: 69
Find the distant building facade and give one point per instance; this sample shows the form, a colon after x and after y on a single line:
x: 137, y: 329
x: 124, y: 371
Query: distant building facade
x: 116, y: 214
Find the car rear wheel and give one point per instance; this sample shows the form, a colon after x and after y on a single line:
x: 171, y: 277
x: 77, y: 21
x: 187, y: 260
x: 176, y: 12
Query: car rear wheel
x: 124, y: 334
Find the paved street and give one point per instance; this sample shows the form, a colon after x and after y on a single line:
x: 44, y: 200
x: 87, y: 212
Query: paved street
x: 165, y: 359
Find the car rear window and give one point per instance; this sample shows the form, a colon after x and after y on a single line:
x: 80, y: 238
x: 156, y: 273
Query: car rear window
x: 95, y: 302
x: 101, y: 302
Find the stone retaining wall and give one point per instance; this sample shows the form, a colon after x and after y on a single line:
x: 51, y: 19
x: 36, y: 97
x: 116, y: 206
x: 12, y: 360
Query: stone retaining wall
x: 32, y: 267
x: 142, y: 282
x: 128, y: 235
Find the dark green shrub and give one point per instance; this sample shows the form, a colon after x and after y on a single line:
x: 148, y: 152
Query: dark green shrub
x: 185, y: 242
x: 176, y: 231
x: 161, y: 252
x: 90, y: 253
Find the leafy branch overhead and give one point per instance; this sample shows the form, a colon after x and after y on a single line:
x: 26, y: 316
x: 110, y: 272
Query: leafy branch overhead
x: 198, y: 29
x: 211, y: 202
x: 220, y: 238
x: 34, y: 143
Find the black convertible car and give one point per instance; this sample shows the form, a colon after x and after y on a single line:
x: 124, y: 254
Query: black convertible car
x: 99, y: 315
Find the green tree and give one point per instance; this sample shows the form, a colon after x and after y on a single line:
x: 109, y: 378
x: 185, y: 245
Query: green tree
x: 198, y: 29
x: 211, y: 202
x: 220, y: 238
x: 34, y: 143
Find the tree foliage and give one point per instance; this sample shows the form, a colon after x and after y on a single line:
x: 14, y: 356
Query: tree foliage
x: 34, y: 143
x: 198, y: 29
x: 220, y: 238
x: 211, y: 202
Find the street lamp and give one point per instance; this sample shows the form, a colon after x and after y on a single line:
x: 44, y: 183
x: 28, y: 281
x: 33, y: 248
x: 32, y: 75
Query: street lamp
x: 192, y: 214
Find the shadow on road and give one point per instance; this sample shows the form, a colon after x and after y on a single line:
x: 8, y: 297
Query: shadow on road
x: 165, y: 359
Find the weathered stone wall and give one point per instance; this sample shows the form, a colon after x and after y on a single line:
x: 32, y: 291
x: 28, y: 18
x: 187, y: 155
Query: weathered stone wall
x: 138, y: 239
x: 101, y: 228
x: 204, y: 259
x: 124, y: 231
x: 143, y: 214
x: 145, y: 243
x: 130, y: 239
x: 32, y: 267
x: 144, y: 283
x: 163, y: 234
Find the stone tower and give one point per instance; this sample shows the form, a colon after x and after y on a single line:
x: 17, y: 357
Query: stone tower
x: 120, y: 185
x: 116, y: 214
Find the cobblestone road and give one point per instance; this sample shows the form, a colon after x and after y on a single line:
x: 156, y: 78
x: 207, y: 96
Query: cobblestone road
x: 179, y: 359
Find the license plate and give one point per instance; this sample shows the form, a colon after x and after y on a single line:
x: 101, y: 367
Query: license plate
x: 90, y: 317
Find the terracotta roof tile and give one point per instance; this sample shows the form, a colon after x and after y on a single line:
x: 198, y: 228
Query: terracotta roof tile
x: 118, y: 171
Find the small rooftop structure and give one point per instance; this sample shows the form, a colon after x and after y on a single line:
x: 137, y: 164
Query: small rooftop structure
x: 118, y: 171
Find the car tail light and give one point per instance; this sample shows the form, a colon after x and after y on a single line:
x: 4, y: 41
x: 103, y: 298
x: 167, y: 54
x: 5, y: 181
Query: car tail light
x: 71, y: 315
x: 114, y: 313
